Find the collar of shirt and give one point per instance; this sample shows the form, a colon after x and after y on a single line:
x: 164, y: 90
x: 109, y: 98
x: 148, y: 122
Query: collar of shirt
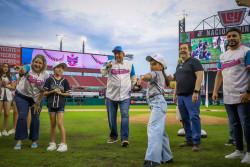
x: 119, y: 63
x: 186, y: 60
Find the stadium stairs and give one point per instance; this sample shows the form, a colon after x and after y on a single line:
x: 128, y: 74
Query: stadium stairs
x: 101, y: 81
x: 77, y: 84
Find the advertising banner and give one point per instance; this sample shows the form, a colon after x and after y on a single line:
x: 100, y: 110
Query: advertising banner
x: 73, y: 60
x: 232, y: 17
x: 218, y: 31
x: 10, y: 55
x: 142, y: 101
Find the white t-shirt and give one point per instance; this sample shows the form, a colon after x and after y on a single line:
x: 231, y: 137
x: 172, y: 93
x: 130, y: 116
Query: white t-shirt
x: 234, y: 65
x: 31, y: 84
x: 119, y: 80
x: 8, y: 91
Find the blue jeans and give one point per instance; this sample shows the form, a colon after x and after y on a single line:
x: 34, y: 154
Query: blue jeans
x: 23, y: 103
x: 158, y: 143
x: 239, y: 116
x: 190, y: 117
x: 112, y: 107
x: 231, y: 132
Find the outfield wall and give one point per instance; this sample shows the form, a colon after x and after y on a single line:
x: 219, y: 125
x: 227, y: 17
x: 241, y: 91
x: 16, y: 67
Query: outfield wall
x: 134, y: 101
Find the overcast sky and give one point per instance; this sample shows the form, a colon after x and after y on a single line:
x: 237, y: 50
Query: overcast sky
x: 141, y: 27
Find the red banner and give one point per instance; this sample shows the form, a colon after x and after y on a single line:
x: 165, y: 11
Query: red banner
x: 10, y: 55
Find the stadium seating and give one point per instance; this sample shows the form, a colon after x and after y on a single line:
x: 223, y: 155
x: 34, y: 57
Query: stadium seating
x: 71, y: 81
x: 144, y: 84
x: 104, y: 80
x: 88, y: 81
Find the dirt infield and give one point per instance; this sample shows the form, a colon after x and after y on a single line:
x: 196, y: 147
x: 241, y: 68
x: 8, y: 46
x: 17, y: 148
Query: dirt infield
x: 171, y: 119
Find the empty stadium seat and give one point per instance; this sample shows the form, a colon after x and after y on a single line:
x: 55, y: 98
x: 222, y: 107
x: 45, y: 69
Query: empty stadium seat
x: 88, y: 81
x: 71, y: 81
x: 104, y: 80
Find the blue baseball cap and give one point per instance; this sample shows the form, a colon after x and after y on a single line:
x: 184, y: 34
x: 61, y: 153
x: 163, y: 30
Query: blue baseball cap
x: 119, y: 48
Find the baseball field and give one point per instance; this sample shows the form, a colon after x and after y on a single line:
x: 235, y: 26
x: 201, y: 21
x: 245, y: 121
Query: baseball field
x: 87, y: 132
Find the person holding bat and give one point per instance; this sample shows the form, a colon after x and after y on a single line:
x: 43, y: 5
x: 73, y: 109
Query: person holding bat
x: 29, y: 93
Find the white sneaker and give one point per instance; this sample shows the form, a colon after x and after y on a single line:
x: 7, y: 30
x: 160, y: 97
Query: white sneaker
x: 5, y: 133
x: 12, y: 131
x: 52, y: 146
x: 203, y: 133
x: 62, y: 147
x: 246, y: 159
x: 181, y: 132
x: 235, y: 155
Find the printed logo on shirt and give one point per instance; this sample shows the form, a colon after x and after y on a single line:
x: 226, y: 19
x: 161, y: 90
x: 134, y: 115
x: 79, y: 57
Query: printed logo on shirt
x: 53, y: 86
x: 33, y: 80
x: 119, y: 71
x: 230, y: 64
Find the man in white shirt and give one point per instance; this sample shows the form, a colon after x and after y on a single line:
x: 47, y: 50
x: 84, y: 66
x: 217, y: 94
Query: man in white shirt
x: 234, y: 72
x: 120, y: 76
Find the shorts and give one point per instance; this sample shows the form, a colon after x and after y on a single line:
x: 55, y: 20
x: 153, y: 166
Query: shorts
x: 56, y: 110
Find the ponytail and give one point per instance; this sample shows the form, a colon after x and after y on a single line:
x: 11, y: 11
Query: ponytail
x: 167, y: 82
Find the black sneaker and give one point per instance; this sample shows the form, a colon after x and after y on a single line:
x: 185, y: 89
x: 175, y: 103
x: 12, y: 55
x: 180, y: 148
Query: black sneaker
x: 230, y: 143
x: 150, y: 164
x: 125, y: 143
x: 169, y: 161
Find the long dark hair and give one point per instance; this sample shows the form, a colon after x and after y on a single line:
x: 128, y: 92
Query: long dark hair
x: 7, y: 73
x: 167, y: 82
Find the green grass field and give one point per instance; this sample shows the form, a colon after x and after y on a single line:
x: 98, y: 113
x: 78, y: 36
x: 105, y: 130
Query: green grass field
x: 87, y: 133
x: 137, y: 107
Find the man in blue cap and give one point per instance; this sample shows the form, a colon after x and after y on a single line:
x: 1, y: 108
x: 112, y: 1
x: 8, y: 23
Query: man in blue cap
x: 121, y: 74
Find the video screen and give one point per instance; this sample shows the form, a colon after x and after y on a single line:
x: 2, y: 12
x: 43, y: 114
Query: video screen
x: 209, y: 49
x: 73, y: 60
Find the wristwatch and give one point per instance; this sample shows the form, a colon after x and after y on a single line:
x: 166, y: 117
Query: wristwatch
x: 196, y: 91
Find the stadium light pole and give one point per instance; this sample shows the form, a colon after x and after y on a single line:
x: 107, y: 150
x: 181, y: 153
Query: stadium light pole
x: 60, y: 38
x: 182, y: 23
x: 84, y: 40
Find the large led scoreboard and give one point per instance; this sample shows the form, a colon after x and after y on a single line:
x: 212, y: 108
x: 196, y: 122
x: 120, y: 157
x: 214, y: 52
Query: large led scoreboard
x: 72, y: 59
x: 208, y: 45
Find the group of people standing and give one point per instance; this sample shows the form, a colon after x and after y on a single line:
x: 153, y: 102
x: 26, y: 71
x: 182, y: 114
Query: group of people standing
x: 32, y: 83
x: 233, y: 71
x: 120, y: 76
